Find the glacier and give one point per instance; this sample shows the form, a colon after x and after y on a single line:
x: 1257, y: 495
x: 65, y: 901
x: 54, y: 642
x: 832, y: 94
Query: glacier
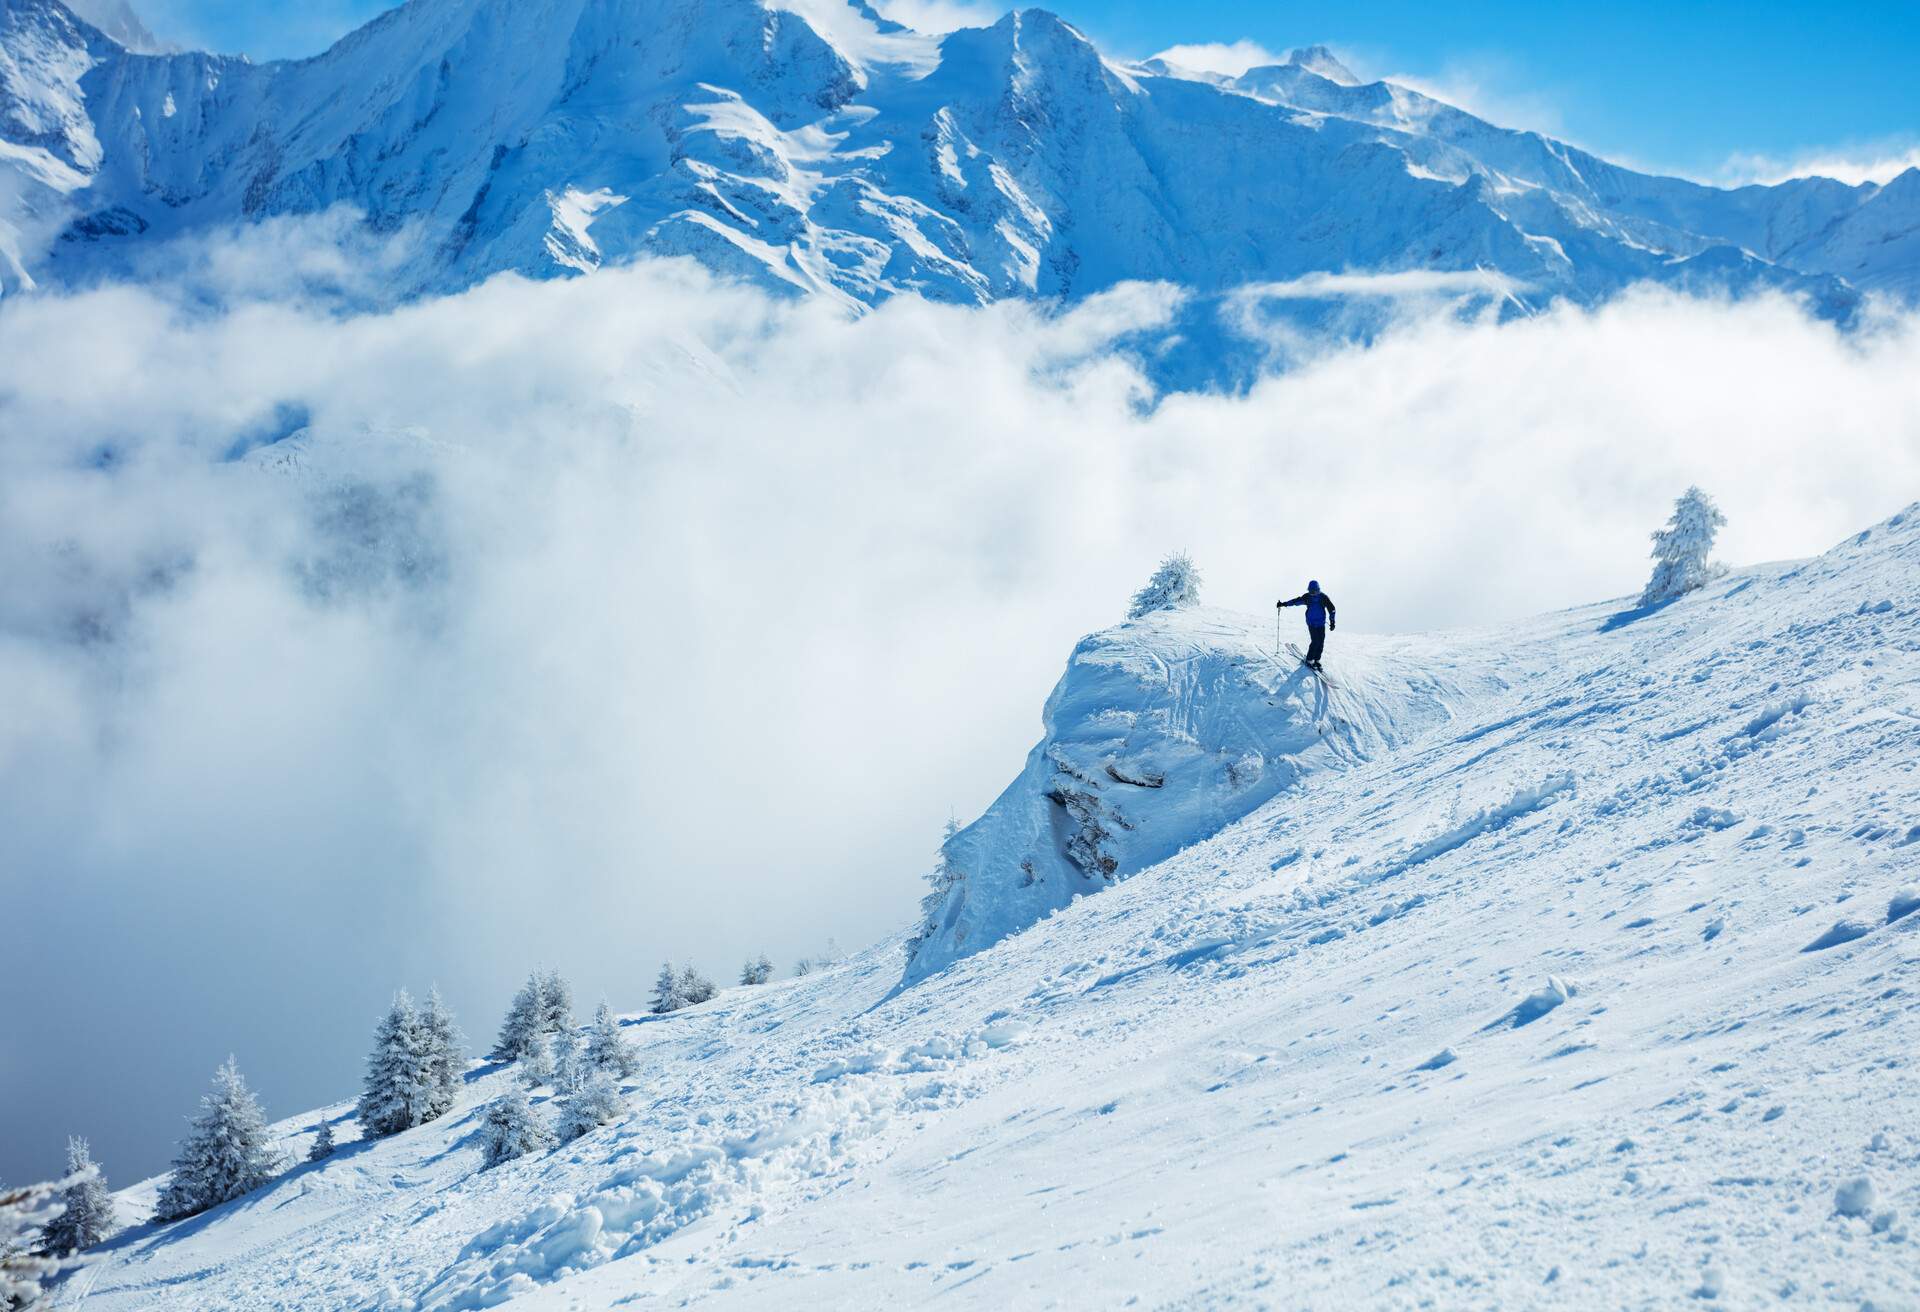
x: 1567, y: 964
x: 813, y: 147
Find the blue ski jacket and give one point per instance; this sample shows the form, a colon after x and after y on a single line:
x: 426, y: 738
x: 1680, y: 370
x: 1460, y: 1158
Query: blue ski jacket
x: 1319, y: 606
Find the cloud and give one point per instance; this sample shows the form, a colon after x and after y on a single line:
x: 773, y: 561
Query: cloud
x: 1229, y: 58
x: 1407, y: 283
x: 939, y: 15
x: 1484, y: 86
x: 589, y: 622
x: 1852, y: 165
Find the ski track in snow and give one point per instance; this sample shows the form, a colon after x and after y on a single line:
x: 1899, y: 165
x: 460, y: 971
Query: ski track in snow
x: 1545, y: 1007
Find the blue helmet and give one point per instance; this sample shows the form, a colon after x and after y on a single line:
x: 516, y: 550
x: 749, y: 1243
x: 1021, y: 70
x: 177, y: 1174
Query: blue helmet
x: 1314, y: 586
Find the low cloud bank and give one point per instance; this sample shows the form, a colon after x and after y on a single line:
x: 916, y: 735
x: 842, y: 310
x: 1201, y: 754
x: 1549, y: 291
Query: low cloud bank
x: 585, y: 623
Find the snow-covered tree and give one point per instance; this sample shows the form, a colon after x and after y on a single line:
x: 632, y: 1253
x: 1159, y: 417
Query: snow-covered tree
x: 695, y: 987
x: 227, y: 1152
x: 940, y: 881
x: 510, y: 1129
x: 607, y: 1048
x: 322, y: 1143
x: 526, y: 1017
x: 88, y: 1214
x: 399, y: 1091
x: 758, y: 970
x: 446, y: 1054
x: 536, y: 1068
x: 590, y: 1104
x: 1175, y: 584
x: 1680, y: 550
x: 568, y: 1068
x: 666, y: 991
x: 24, y: 1211
x: 556, y: 1002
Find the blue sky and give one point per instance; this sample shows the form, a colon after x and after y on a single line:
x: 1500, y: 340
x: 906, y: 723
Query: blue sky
x: 1716, y: 90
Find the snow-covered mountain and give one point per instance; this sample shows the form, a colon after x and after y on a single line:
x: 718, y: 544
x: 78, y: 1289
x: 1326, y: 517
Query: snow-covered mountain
x: 119, y: 20
x: 1571, y: 965
x: 813, y: 146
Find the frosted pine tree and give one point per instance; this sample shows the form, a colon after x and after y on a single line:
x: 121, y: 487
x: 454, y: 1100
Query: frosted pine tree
x: 758, y: 970
x: 399, y: 1091
x: 556, y: 1002
x: 1174, y: 585
x: 322, y: 1143
x: 591, y: 1104
x: 510, y: 1129
x: 1680, y: 550
x: 446, y: 1054
x: 228, y: 1151
x: 536, y: 1068
x: 608, y: 1049
x: 526, y: 1017
x: 568, y: 1067
x: 666, y: 991
x: 88, y: 1217
x: 695, y: 987
x: 940, y: 881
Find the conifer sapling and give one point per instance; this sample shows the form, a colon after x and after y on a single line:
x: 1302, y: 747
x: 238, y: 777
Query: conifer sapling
x: 510, y: 1129
x: 88, y: 1214
x: 607, y: 1048
x: 323, y: 1147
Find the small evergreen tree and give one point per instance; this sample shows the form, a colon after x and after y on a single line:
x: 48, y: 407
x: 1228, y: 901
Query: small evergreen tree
x: 536, y: 1068
x: 322, y: 1143
x: 399, y: 1092
x: 593, y: 1103
x: 526, y: 1016
x: 666, y: 991
x: 446, y: 1055
x: 556, y: 1002
x: 1175, y: 584
x: 940, y: 881
x: 568, y: 1068
x: 1680, y: 550
x: 695, y: 987
x: 758, y: 970
x: 88, y: 1214
x: 608, y: 1049
x: 510, y: 1129
x: 227, y: 1153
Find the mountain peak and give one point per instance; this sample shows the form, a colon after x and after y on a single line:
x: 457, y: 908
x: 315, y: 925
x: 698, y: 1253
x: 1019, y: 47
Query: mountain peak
x: 1320, y: 60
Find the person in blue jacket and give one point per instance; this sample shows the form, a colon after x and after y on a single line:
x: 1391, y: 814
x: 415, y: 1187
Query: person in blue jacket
x: 1320, y: 618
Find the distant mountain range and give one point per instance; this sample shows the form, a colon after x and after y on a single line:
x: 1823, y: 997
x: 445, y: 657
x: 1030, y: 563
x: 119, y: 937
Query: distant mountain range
x: 814, y: 146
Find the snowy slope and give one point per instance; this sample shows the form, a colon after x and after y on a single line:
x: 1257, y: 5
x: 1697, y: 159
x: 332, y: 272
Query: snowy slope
x: 815, y: 148
x: 1597, y: 983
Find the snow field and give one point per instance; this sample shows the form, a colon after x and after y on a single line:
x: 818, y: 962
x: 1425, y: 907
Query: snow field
x: 1483, y: 1015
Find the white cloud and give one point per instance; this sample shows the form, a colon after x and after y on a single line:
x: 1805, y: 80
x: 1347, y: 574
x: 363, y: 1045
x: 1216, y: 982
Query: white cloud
x: 939, y: 15
x: 1485, y: 87
x: 640, y: 614
x: 1851, y: 165
x: 1228, y: 58
x: 1408, y: 283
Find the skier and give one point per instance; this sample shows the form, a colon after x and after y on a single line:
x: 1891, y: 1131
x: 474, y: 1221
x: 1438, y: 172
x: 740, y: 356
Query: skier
x: 1319, y: 619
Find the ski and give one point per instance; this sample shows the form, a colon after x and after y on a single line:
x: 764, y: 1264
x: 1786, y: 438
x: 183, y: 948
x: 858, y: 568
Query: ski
x: 1301, y: 656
